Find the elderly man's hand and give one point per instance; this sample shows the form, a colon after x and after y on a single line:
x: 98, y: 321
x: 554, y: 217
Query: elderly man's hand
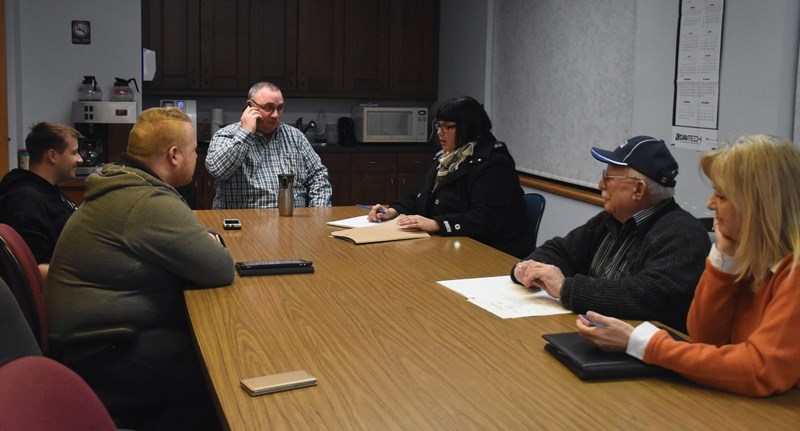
x: 536, y: 274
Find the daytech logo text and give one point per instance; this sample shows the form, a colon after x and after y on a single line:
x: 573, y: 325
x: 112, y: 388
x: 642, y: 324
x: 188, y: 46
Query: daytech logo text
x: 680, y: 137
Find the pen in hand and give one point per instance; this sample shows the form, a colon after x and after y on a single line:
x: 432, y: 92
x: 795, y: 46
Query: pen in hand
x: 590, y: 323
x: 369, y: 207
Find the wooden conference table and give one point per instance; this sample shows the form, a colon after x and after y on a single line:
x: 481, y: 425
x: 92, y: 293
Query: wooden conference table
x: 392, y: 349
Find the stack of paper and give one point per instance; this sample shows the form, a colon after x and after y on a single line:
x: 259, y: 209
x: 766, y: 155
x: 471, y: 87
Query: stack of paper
x: 505, y: 298
x: 357, y: 221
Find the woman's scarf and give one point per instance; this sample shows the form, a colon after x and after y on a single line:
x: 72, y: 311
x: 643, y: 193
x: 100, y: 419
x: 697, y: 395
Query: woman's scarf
x: 449, y: 162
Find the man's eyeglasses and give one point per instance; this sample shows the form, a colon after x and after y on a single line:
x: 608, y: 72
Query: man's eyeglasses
x: 606, y: 177
x: 437, y: 126
x: 269, y: 107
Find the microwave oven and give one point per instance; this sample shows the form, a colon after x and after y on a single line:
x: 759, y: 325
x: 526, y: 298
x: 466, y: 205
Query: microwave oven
x: 384, y: 124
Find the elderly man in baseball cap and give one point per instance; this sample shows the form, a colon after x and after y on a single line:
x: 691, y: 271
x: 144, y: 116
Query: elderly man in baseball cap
x: 641, y: 257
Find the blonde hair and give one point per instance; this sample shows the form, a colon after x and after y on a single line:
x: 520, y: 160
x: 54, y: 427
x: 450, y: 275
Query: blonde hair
x: 155, y: 131
x: 760, y: 175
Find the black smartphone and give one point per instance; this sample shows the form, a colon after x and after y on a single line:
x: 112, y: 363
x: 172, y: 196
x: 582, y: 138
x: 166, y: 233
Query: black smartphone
x: 231, y: 224
x: 274, y: 266
x: 274, y: 263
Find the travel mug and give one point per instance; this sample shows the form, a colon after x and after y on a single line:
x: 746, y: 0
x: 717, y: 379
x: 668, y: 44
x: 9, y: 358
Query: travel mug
x: 285, y: 194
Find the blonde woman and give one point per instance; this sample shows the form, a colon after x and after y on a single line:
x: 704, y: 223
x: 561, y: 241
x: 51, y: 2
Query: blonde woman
x: 743, y: 319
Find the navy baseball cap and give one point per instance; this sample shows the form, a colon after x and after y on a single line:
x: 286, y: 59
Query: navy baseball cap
x: 646, y: 154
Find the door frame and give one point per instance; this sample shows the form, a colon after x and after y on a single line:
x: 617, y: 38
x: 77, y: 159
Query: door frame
x: 4, y: 140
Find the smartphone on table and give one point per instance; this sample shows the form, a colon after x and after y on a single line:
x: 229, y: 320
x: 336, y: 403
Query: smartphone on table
x: 231, y: 224
x: 278, y: 382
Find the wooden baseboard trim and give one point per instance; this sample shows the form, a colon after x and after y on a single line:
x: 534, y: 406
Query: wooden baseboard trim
x: 561, y: 189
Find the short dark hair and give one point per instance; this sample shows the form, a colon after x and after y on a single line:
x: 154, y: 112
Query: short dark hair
x: 45, y: 136
x: 258, y: 86
x: 471, y: 119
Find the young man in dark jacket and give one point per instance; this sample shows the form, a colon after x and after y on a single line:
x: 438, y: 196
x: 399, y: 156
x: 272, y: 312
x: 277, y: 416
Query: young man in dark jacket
x: 30, y: 200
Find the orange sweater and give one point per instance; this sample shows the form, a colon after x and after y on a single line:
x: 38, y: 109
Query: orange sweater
x: 741, y: 342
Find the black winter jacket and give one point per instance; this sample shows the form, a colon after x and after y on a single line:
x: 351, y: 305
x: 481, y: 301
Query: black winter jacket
x: 36, y: 209
x: 481, y: 200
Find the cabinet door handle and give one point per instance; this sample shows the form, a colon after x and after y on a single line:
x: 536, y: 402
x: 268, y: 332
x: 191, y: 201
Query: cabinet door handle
x: 302, y: 80
x: 291, y: 80
x: 372, y: 162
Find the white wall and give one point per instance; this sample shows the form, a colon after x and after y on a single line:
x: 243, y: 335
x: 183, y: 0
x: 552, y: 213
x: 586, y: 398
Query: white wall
x: 462, y: 49
x: 757, y: 84
x: 757, y: 79
x: 465, y: 67
x: 45, y: 69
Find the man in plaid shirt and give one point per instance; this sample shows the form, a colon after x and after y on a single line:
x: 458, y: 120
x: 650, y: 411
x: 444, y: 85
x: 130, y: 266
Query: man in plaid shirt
x: 246, y: 157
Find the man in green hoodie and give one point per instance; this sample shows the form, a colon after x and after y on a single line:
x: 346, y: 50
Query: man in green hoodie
x: 125, y: 257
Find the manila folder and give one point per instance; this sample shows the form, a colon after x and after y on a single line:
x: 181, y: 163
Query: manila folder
x: 385, y: 231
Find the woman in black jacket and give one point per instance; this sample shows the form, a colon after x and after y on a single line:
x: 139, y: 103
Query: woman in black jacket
x: 471, y: 188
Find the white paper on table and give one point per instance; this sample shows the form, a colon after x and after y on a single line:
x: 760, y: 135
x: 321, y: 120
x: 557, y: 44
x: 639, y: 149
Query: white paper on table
x: 357, y: 221
x: 505, y: 298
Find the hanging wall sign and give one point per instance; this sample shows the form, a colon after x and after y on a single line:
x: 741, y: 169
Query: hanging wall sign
x: 696, y: 108
x: 81, y: 32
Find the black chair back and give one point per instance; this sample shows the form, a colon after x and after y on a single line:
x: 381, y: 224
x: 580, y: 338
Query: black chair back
x: 535, y: 203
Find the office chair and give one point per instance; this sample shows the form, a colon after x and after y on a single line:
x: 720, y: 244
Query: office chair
x: 21, y: 272
x: 535, y: 203
x: 38, y: 393
x: 16, y: 338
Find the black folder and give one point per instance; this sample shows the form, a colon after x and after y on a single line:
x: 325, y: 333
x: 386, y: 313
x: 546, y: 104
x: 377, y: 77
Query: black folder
x: 590, y: 363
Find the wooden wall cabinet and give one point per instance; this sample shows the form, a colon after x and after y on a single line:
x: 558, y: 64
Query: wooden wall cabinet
x: 339, y: 175
x: 374, y: 178
x: 202, y: 185
x: 297, y: 45
x: 411, y: 170
x: 391, y: 48
x: 370, y: 178
x: 309, y: 48
x: 201, y: 46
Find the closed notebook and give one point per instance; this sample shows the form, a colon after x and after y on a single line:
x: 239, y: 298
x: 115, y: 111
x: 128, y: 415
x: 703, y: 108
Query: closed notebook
x: 385, y: 231
x: 590, y: 363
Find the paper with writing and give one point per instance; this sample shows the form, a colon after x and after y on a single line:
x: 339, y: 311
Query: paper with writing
x: 505, y: 298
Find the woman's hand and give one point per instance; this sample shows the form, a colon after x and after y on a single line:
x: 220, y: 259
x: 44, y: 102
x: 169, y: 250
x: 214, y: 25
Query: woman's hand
x: 379, y: 213
x: 610, y: 334
x: 725, y: 244
x: 418, y: 222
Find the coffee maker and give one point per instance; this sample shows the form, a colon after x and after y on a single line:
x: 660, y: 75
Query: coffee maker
x: 105, y: 127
